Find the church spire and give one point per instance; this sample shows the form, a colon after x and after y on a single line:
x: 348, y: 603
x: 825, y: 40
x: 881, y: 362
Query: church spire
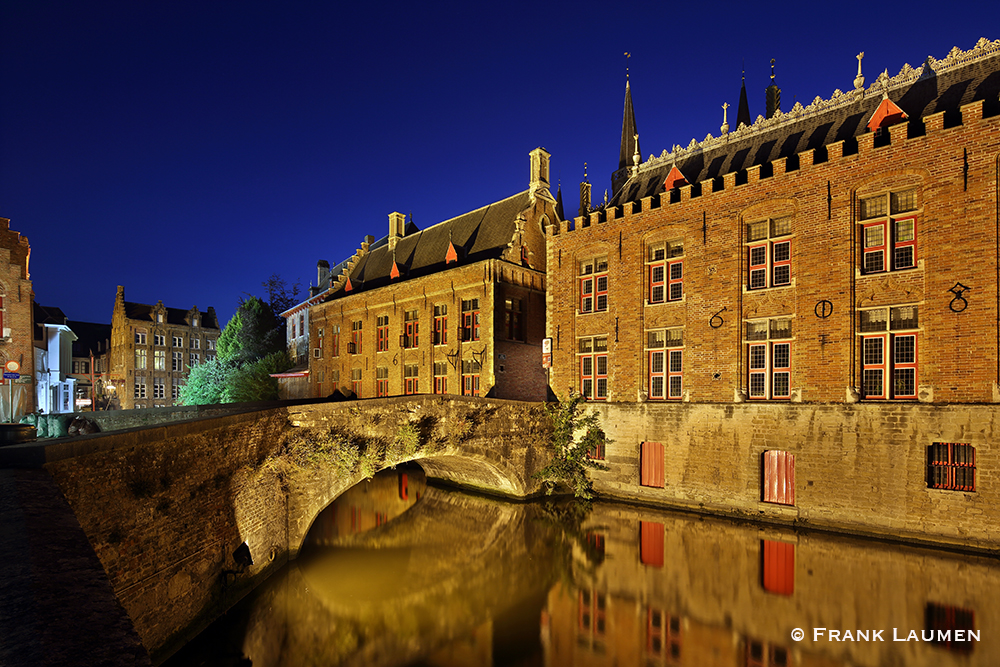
x: 743, y: 110
x: 630, y: 144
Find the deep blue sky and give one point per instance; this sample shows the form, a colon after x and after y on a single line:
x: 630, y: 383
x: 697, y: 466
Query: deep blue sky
x: 188, y: 150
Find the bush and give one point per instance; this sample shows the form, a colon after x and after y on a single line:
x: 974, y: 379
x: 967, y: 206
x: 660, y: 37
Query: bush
x: 571, y: 461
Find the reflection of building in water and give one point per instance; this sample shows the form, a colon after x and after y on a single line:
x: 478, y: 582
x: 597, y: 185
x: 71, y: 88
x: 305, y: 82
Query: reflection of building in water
x: 659, y: 589
x: 369, y: 504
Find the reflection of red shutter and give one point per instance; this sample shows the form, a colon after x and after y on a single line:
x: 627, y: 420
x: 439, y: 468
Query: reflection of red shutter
x: 651, y: 543
x: 779, y: 478
x: 778, y: 567
x: 404, y: 487
x: 651, y: 473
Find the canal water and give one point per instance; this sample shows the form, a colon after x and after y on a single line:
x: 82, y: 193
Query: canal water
x: 396, y: 572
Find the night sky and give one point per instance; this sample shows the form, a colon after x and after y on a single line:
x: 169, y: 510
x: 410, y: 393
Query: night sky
x: 188, y: 150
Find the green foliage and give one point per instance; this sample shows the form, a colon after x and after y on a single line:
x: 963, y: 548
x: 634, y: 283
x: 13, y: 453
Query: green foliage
x: 251, y: 334
x: 574, y: 434
x: 405, y: 444
x: 252, y: 381
x: 279, y: 294
x: 207, y: 382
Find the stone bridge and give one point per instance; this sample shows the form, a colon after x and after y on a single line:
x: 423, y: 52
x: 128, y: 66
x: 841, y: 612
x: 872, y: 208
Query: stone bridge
x: 187, y: 517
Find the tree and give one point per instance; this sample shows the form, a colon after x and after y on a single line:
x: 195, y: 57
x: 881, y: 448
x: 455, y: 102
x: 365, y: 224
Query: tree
x: 252, y: 381
x: 575, y: 435
x: 251, y: 334
x: 207, y: 383
x: 280, y: 295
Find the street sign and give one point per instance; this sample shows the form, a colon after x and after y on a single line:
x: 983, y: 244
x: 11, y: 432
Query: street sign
x: 7, y: 375
x: 12, y: 366
x: 546, y: 353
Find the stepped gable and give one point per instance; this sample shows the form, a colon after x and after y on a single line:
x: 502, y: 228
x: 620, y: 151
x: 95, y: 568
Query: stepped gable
x: 938, y: 85
x: 480, y: 234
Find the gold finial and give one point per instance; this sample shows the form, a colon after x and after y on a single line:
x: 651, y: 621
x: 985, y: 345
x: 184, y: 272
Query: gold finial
x: 584, y: 171
x: 627, y: 56
x: 772, y: 69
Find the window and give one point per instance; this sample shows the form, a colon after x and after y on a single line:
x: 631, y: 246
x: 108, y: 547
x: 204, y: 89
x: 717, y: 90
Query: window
x: 159, y: 388
x: 597, y: 452
x: 651, y: 543
x: 177, y: 363
x: 440, y: 377
x: 355, y: 346
x: 159, y: 361
x: 140, y: 388
x: 889, y: 231
x: 159, y: 339
x: 356, y: 381
x: 665, y: 271
x: 382, y: 381
x: 194, y: 358
x: 194, y: 322
x: 140, y: 358
x: 410, y: 377
x: 665, y: 356
x: 140, y: 336
x: 769, y: 358
x: 592, y: 613
x: 778, y: 478
x: 952, y: 628
x: 81, y: 367
x: 764, y: 654
x: 594, y: 285
x: 951, y: 465
x: 770, y: 261
x: 211, y: 342
x: 195, y: 343
x: 175, y: 391
x: 334, y: 380
x: 209, y: 357
x: 440, y: 324
x: 382, y: 333
x: 470, y: 320
x: 159, y: 318
x: 513, y: 319
x: 651, y: 468
x: 411, y: 329
x: 663, y: 634
x: 178, y: 341
x: 470, y: 377
x: 593, y: 359
x: 777, y: 567
x: 889, y: 352
x: 334, y: 340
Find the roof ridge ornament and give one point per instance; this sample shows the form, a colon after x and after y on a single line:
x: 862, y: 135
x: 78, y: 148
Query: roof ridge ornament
x: 859, y: 80
x: 725, y: 123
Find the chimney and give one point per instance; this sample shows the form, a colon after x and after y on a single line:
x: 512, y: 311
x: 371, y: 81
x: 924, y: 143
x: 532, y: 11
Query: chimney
x: 397, y: 228
x: 322, y: 273
x: 539, y: 177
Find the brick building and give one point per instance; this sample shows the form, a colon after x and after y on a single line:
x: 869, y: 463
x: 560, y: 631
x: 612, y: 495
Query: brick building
x: 457, y: 308
x: 153, y: 348
x: 16, y: 319
x: 842, y: 251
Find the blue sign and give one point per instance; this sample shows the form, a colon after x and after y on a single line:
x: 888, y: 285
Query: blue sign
x: 11, y: 376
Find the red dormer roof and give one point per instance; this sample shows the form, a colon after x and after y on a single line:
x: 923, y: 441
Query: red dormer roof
x: 887, y: 114
x: 675, y: 179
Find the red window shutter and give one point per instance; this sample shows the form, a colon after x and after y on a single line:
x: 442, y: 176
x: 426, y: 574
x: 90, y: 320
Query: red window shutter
x: 651, y: 468
x: 779, y: 478
x: 778, y: 565
x: 651, y: 543
x: 404, y: 487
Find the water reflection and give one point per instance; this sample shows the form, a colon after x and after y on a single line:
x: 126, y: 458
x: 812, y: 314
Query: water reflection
x: 457, y: 579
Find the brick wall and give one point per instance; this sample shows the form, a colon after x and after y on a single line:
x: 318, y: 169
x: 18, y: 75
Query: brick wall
x: 860, y: 468
x: 16, y: 311
x: 957, y: 357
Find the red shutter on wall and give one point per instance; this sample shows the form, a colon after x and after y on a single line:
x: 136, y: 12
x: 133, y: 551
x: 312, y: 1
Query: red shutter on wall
x: 778, y: 565
x: 651, y: 543
x: 779, y: 478
x: 651, y: 470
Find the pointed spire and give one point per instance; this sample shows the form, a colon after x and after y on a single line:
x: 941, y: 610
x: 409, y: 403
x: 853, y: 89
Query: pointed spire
x: 559, y: 203
x: 451, y: 255
x: 743, y: 109
x: 630, y: 145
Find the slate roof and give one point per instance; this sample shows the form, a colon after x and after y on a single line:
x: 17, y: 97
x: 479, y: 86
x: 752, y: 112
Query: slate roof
x: 477, y: 235
x: 931, y: 93
x: 178, y: 316
x: 88, y: 335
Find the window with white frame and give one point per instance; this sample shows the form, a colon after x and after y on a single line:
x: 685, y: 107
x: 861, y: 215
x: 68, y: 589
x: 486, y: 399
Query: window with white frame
x: 769, y: 358
x: 769, y: 253
x: 594, y: 285
x: 159, y: 361
x: 665, y: 356
x: 175, y: 391
x: 159, y: 339
x: 665, y: 271
x: 195, y: 343
x: 177, y: 363
x: 211, y: 342
x: 194, y: 358
x: 889, y: 352
x: 592, y: 357
x: 140, y: 388
x: 178, y: 341
x: 140, y: 336
x: 889, y: 231
x: 140, y: 358
x: 159, y: 388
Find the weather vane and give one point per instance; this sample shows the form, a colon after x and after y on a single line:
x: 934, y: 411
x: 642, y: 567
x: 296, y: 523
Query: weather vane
x: 627, y: 56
